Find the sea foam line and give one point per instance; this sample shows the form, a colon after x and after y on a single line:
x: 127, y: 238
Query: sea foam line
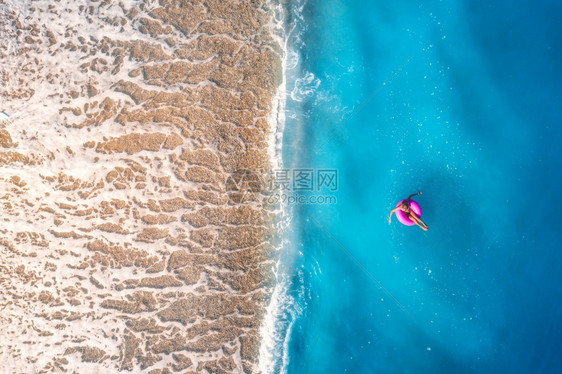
x: 283, y: 309
x: 271, y: 332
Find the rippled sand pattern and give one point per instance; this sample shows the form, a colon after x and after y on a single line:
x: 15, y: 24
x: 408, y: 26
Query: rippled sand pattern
x: 123, y: 245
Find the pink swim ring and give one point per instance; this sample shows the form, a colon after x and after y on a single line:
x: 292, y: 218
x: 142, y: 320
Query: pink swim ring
x: 414, y: 207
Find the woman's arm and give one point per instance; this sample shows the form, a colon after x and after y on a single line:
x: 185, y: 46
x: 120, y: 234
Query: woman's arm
x: 412, y: 195
x: 390, y: 216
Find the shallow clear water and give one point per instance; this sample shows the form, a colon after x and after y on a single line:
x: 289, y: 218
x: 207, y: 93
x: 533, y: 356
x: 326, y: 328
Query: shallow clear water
x: 460, y: 100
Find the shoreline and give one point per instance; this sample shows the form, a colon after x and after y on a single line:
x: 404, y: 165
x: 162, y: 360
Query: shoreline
x: 283, y: 310
x: 276, y: 120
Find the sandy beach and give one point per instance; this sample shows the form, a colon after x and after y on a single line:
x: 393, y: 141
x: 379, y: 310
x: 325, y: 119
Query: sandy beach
x: 131, y: 237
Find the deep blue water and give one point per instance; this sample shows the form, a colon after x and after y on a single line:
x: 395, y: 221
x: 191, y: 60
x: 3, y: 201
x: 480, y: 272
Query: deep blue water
x: 458, y: 99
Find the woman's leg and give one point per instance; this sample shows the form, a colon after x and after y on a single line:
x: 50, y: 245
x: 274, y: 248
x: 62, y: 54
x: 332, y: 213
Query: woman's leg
x: 423, y: 225
x: 418, y: 221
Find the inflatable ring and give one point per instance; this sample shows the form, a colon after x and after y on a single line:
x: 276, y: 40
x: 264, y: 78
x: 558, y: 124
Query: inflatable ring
x: 403, y: 218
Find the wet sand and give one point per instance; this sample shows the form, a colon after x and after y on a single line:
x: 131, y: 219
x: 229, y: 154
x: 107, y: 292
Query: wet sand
x: 130, y: 238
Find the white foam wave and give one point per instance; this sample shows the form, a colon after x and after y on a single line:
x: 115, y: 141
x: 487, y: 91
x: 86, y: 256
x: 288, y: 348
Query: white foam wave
x: 269, y: 331
x: 276, y: 326
x: 283, y: 309
x: 305, y: 87
x: 282, y: 313
x: 293, y: 59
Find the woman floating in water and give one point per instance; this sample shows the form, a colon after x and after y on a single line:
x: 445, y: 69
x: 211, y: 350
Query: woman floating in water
x: 411, y: 212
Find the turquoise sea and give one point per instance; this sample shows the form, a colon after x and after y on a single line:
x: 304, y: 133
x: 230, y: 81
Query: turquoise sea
x: 459, y: 99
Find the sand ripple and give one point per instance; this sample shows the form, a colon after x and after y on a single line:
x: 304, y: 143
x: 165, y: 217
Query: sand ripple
x: 123, y: 245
